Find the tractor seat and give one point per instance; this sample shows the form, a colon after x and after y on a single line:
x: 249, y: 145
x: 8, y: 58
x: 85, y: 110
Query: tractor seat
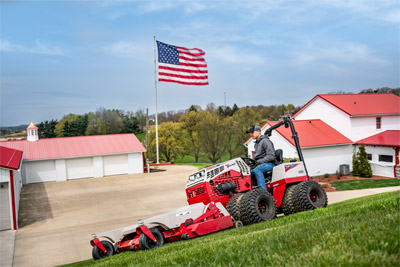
x: 278, y: 160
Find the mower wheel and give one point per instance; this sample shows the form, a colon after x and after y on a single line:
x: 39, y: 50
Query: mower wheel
x: 99, y: 254
x: 146, y: 243
x: 233, y: 206
x: 256, y: 206
x: 310, y: 195
x: 288, y: 202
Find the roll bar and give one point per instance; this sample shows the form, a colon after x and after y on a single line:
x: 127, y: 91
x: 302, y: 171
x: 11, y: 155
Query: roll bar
x: 288, y: 123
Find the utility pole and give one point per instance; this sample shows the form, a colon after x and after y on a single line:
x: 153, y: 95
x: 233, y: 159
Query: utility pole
x: 225, y: 99
x: 147, y: 141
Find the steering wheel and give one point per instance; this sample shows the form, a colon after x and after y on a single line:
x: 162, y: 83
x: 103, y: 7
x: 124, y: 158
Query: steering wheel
x: 250, y: 162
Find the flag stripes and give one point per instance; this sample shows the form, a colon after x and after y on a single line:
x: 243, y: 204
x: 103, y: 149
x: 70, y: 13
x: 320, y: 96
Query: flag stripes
x: 181, y: 65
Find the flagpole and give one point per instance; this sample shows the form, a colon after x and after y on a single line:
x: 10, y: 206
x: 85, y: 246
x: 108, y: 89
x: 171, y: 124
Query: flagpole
x: 155, y: 84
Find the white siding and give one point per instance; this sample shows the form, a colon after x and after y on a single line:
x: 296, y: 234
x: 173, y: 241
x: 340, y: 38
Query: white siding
x: 378, y: 167
x: 321, y: 160
x: 98, y: 166
x: 334, y: 117
x: 5, y: 218
x: 61, y: 170
x: 40, y: 171
x: 17, y: 191
x: 114, y: 165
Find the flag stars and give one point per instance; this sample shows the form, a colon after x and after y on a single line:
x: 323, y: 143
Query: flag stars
x: 167, y: 53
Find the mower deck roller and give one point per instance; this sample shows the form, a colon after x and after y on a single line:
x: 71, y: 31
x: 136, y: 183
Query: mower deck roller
x: 220, y: 197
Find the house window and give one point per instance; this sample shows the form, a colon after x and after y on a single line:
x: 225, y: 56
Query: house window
x: 378, y: 122
x: 385, y: 158
x: 369, y: 156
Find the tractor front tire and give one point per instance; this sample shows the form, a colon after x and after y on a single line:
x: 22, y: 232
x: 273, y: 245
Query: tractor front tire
x: 99, y: 254
x: 310, y: 195
x: 233, y: 206
x: 288, y: 202
x: 146, y: 243
x: 257, y: 206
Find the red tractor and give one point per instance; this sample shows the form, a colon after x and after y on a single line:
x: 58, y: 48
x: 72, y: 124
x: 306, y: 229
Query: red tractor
x: 220, y: 197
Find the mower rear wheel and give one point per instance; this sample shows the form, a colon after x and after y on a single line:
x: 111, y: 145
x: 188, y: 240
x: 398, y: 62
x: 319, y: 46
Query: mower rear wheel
x: 310, y: 195
x: 233, y: 206
x: 256, y: 206
x: 146, y: 243
x: 288, y: 202
x: 99, y: 254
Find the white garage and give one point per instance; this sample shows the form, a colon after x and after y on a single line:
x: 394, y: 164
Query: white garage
x: 69, y: 158
x: 10, y: 187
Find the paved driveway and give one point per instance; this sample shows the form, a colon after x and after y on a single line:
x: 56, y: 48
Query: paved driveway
x: 57, y: 219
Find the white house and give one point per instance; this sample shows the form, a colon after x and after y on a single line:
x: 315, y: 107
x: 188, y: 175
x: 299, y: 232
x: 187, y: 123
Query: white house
x: 383, y: 151
x: 324, y: 149
x: 356, y: 116
x: 10, y: 187
x: 66, y: 158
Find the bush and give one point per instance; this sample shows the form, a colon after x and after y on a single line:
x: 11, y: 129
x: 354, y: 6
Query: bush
x: 361, y: 166
x: 326, y: 175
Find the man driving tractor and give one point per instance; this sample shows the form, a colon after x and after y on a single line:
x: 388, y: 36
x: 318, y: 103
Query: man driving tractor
x: 264, y: 155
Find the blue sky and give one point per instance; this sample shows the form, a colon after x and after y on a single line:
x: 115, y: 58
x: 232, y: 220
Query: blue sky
x: 60, y: 57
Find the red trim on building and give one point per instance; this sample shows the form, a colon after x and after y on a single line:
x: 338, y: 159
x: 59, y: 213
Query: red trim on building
x: 14, y: 214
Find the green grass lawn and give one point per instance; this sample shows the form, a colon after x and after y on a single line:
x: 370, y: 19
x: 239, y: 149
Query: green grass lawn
x: 198, y: 165
x: 141, y: 136
x: 364, y: 184
x: 363, y: 231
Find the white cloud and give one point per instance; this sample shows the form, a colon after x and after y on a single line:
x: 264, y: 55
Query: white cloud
x: 127, y: 49
x: 347, y: 53
x: 231, y: 54
x: 38, y: 48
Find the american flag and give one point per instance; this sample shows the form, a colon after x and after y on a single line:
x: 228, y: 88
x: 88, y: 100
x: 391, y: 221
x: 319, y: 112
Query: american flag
x: 181, y: 65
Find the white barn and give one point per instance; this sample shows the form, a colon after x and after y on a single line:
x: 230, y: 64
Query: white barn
x: 67, y: 158
x: 324, y: 149
x: 10, y: 187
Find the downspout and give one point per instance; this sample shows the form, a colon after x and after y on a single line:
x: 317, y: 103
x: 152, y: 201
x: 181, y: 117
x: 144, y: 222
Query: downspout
x: 14, y: 215
x: 396, y: 156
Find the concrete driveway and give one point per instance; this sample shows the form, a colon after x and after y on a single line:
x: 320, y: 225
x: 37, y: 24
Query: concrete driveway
x: 57, y: 219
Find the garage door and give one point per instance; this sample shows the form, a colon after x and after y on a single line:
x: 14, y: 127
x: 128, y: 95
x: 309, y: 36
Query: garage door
x: 40, y: 171
x: 114, y: 165
x: 5, y: 222
x: 79, y: 168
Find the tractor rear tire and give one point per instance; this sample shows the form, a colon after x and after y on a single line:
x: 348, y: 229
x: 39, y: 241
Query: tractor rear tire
x: 233, y: 206
x: 288, y: 203
x: 99, y: 254
x: 257, y: 206
x: 146, y: 243
x: 310, y: 195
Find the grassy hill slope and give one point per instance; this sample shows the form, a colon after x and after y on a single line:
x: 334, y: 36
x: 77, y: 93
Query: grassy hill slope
x: 362, y: 231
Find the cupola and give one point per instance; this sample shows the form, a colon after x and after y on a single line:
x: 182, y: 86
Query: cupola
x: 32, y: 131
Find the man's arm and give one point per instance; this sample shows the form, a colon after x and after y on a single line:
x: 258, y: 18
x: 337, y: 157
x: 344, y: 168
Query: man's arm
x: 269, y: 150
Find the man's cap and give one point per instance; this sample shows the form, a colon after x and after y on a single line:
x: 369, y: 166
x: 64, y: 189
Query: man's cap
x: 254, y: 128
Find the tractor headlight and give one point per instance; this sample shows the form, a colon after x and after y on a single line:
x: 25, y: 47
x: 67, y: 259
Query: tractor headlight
x: 192, y: 177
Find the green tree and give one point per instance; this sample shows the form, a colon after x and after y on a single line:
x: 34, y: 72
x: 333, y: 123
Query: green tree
x: 169, y: 141
x: 361, y: 166
x: 76, y: 127
x: 105, y: 121
x: 190, y: 124
x: 47, y: 129
x: 59, y: 128
x: 212, y: 135
x: 131, y: 123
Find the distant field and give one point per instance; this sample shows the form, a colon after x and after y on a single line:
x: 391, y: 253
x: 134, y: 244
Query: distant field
x: 358, y: 232
x: 364, y: 184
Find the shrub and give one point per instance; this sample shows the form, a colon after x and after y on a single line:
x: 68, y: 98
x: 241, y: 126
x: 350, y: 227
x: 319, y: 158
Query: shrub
x: 361, y: 166
x: 326, y: 175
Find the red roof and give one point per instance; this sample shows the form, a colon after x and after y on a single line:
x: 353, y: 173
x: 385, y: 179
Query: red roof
x: 386, y: 138
x: 361, y: 104
x: 311, y: 133
x: 67, y: 147
x: 10, y: 158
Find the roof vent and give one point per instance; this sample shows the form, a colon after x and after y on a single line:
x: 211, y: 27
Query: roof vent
x: 309, y: 121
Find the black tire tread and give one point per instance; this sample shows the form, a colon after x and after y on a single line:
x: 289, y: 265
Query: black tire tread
x: 233, y: 206
x: 143, y: 239
x: 288, y: 203
x: 248, y: 207
x: 302, y: 201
